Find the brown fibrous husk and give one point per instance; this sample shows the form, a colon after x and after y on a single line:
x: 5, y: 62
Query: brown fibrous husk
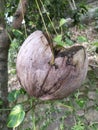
x: 45, y: 81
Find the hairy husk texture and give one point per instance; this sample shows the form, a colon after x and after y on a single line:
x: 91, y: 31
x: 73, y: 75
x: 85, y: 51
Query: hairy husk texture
x: 45, y: 81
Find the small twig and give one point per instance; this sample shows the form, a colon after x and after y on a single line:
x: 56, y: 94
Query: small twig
x: 70, y: 3
x: 74, y: 4
x: 49, y: 17
x: 6, y: 109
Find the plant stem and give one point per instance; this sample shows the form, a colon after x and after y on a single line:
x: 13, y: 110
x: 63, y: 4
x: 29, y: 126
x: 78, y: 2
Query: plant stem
x: 41, y: 16
x: 33, y: 105
x: 7, y: 109
x: 50, y: 41
x: 70, y: 3
x: 74, y: 4
x: 33, y: 119
x: 49, y: 17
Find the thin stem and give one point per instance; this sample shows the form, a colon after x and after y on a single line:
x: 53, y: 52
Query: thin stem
x: 6, y: 109
x: 33, y: 106
x: 9, y: 36
x: 65, y: 106
x: 51, y: 44
x: 42, y: 17
x: 74, y: 4
x: 49, y: 18
x: 52, y: 23
x: 75, y: 120
x: 69, y: 1
x: 33, y: 119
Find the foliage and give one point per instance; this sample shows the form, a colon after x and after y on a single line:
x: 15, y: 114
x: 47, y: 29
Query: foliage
x: 1, y: 103
x: 62, y: 38
x: 58, y: 40
x: 96, y: 18
x: 14, y: 47
x: 81, y: 10
x: 54, y: 13
x: 96, y: 43
x: 33, y: 21
x: 62, y: 22
x: 14, y: 95
x: 78, y: 126
x: 81, y: 39
x: 16, y: 116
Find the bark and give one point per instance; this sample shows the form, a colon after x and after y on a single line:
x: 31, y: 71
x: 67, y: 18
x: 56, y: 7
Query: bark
x: 19, y: 14
x: 4, y: 47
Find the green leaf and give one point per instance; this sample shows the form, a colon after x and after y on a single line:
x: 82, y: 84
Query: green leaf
x: 68, y: 41
x: 1, y: 102
x: 81, y: 103
x: 78, y: 126
x: 62, y: 22
x: 13, y: 95
x: 82, y: 39
x: 22, y: 91
x: 16, y: 32
x: 16, y: 116
x: 58, y: 40
x: 96, y: 43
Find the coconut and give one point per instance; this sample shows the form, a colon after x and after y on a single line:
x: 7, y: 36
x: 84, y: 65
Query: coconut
x: 45, y: 81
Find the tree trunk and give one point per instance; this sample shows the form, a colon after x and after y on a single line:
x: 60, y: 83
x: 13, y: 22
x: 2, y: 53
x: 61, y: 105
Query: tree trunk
x: 4, y: 46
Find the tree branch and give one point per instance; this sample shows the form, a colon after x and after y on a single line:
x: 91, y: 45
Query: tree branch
x: 19, y: 14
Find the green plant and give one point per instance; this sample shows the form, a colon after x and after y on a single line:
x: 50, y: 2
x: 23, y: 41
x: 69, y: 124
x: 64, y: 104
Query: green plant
x: 93, y: 126
x: 81, y: 39
x: 78, y: 12
x: 14, y: 47
x: 80, y: 101
x: 16, y: 116
x: 52, y: 16
x: 78, y: 126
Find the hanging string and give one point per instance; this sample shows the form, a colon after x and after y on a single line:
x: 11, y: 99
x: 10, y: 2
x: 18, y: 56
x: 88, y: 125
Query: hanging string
x: 49, y: 17
x: 42, y: 17
x: 51, y: 44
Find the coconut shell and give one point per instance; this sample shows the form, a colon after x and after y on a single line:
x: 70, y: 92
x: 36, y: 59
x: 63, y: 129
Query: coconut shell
x: 45, y: 81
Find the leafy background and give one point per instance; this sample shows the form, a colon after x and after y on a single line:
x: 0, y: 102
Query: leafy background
x: 77, y: 112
